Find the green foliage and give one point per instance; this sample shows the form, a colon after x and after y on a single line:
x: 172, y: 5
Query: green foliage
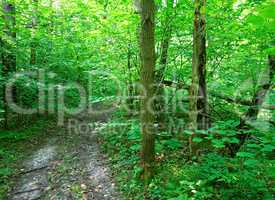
x: 250, y: 175
x: 172, y: 144
x: 95, y: 44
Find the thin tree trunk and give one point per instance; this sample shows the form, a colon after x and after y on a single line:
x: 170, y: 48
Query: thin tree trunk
x: 130, y: 100
x: 33, y: 46
x: 8, y: 54
x: 49, y: 98
x: 198, y: 102
x: 3, y: 74
x: 200, y: 40
x: 160, y: 101
x: 147, y: 46
x: 33, y: 30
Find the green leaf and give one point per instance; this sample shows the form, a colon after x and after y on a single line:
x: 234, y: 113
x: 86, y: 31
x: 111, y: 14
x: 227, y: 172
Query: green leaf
x: 245, y: 155
x: 271, y: 171
x: 270, y: 51
x: 159, y: 147
x: 251, y: 162
x: 268, y: 148
x: 5, y: 172
x: 253, y: 146
x: 188, y: 132
x: 197, y: 139
x: 137, y: 171
x: 181, y: 197
x: 173, y: 144
x: 255, y: 20
x: 218, y: 143
x: 234, y: 140
x: 135, y: 147
x: 134, y: 133
x: 268, y: 12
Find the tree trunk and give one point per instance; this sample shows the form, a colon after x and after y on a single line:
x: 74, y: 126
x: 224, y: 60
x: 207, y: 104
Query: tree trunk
x: 160, y: 101
x: 252, y: 113
x: 260, y: 94
x: 147, y: 51
x: 3, y: 74
x: 198, y: 94
x: 33, y: 30
x: 200, y: 27
x: 9, y: 53
x: 130, y: 99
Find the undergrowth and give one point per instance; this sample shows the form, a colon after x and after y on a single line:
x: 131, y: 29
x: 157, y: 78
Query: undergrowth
x: 212, y: 175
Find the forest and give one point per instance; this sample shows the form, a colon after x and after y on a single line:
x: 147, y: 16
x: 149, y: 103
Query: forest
x: 137, y: 99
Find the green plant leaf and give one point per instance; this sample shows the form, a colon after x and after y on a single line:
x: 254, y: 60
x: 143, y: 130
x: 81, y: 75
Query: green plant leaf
x: 197, y: 139
x: 268, y: 148
x: 245, y: 155
x: 251, y: 162
x: 173, y: 144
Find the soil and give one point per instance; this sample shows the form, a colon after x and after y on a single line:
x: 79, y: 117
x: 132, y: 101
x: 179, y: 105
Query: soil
x: 70, y: 165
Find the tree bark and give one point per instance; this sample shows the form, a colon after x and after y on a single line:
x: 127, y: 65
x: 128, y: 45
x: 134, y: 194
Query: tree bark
x: 147, y: 52
x: 198, y: 99
x: 203, y: 120
x: 198, y: 93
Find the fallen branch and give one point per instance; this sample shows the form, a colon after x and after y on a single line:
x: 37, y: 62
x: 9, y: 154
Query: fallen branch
x: 268, y: 107
x: 181, y: 85
x: 27, y: 191
x: 232, y: 100
x: 34, y: 170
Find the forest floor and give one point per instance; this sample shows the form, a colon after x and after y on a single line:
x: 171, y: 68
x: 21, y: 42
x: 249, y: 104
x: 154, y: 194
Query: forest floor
x: 68, y: 165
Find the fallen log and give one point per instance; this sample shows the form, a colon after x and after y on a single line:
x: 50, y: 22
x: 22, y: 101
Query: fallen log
x: 244, y: 102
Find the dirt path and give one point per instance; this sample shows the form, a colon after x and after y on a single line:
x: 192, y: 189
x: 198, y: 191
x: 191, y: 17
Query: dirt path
x: 69, y: 166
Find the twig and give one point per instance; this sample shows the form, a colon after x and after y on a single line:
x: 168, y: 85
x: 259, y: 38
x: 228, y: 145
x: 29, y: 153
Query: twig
x: 27, y: 191
x: 33, y: 170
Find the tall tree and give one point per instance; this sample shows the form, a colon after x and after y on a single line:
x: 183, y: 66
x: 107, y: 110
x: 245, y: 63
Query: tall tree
x: 198, y: 94
x: 198, y: 98
x: 8, y: 51
x: 147, y: 52
x: 202, y: 104
x: 164, y: 47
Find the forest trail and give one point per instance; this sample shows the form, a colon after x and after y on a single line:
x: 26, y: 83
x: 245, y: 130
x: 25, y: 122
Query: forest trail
x: 69, y: 166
